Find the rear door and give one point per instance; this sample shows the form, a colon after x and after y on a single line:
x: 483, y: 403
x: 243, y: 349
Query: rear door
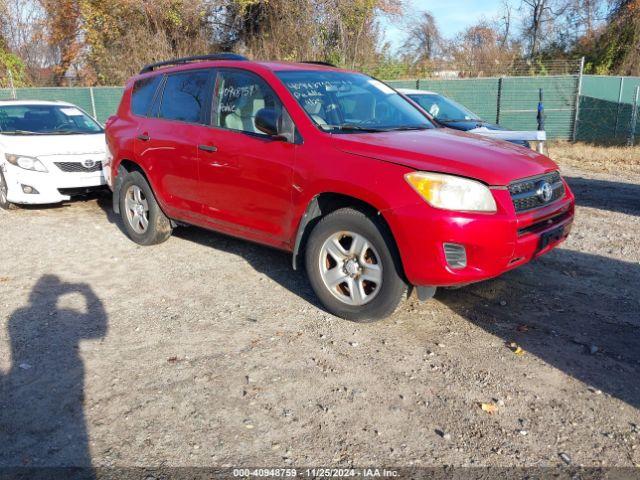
x: 246, y: 178
x: 168, y: 139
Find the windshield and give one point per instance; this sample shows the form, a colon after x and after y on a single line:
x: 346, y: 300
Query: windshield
x: 341, y: 102
x: 443, y: 109
x: 45, y: 120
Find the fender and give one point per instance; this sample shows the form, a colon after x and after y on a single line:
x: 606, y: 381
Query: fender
x: 311, y: 213
x: 117, y: 185
x: 314, y: 211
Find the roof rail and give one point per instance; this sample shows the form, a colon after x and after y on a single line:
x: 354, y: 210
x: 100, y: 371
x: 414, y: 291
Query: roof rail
x: 200, y: 58
x: 314, y: 62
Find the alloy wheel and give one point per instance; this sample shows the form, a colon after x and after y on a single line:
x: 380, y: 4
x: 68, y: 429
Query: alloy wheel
x: 350, y: 268
x: 137, y: 209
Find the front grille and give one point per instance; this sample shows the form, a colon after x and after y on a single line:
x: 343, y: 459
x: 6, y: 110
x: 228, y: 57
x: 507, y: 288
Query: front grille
x: 80, y: 190
x: 544, y: 224
x: 525, y: 193
x: 78, y: 167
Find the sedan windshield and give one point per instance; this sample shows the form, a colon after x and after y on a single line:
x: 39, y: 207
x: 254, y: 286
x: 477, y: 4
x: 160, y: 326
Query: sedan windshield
x: 341, y: 102
x: 45, y: 120
x: 443, y: 109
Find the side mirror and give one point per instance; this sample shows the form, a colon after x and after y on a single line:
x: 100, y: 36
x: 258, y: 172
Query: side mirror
x: 267, y: 122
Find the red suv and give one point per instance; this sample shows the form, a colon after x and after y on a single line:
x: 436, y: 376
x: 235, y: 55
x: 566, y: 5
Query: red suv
x: 334, y: 166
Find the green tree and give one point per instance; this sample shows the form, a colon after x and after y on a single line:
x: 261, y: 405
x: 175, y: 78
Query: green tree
x: 12, y: 69
x: 618, y: 48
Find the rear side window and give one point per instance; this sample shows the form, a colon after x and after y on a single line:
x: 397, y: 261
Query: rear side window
x: 185, y: 97
x: 142, y: 94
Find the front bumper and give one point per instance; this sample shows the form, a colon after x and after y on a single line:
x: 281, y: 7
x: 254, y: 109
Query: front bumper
x: 52, y: 187
x: 494, y: 243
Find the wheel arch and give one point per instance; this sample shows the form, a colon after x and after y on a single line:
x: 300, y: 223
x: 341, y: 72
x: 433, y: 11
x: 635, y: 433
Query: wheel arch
x: 127, y: 166
x: 324, y: 203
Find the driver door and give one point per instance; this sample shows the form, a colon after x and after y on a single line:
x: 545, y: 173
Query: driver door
x: 245, y: 175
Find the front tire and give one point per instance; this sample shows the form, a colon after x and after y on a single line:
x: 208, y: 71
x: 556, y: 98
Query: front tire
x: 353, y: 266
x: 144, y: 221
x: 4, y: 189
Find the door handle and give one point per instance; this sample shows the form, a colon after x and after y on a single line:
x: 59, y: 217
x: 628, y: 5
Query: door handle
x: 144, y: 137
x: 208, y: 148
x: 218, y: 164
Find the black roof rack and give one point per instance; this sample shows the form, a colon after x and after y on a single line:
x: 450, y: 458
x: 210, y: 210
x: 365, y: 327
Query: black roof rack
x: 200, y: 58
x: 314, y: 62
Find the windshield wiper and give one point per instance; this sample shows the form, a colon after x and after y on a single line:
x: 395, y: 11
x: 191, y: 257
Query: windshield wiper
x: 355, y: 128
x: 20, y: 132
x: 454, y: 120
x: 66, y: 132
x: 405, y: 127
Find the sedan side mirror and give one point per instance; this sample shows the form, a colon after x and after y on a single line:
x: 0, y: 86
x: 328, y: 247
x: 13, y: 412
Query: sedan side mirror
x: 267, y: 120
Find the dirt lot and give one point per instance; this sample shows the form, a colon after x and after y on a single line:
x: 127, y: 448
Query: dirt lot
x: 208, y: 350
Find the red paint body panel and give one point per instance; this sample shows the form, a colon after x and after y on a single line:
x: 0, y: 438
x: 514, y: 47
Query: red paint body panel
x: 444, y: 150
x: 259, y: 189
x: 246, y: 185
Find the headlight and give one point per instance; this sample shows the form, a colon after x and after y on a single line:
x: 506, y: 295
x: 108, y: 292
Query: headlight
x: 452, y: 193
x: 28, y: 163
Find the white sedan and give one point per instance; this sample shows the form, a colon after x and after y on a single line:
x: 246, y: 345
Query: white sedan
x: 49, y: 151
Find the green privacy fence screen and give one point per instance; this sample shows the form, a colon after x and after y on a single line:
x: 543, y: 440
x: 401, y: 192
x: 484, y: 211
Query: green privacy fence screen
x: 606, y: 109
x: 512, y: 101
x: 98, y: 101
x: 603, y: 115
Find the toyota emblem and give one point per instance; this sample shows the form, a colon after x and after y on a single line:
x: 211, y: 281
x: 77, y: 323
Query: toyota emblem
x: 545, y: 192
x: 88, y: 163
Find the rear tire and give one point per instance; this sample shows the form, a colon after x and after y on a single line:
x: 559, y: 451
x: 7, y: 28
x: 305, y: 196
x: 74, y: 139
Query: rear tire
x: 144, y: 221
x: 4, y: 203
x: 353, y: 266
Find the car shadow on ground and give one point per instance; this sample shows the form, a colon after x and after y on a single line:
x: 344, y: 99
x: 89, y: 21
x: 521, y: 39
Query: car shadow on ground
x: 577, y: 312
x: 42, y: 421
x: 273, y: 263
x: 606, y: 195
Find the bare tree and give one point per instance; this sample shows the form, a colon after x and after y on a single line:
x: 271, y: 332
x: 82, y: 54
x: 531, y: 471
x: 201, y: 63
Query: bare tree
x: 480, y: 51
x: 424, y: 41
x: 585, y: 16
x: 504, y: 23
x: 23, y: 31
x: 539, y: 17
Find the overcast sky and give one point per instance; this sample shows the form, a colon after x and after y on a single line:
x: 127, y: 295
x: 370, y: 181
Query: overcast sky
x: 452, y: 15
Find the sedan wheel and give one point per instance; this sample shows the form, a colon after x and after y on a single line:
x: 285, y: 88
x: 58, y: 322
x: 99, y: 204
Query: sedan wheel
x: 4, y: 191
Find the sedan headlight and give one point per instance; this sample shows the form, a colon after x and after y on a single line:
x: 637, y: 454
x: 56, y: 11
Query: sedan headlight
x: 28, y: 163
x: 449, y: 192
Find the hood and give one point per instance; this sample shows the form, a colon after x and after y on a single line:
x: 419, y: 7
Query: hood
x: 45, y: 145
x: 449, y: 151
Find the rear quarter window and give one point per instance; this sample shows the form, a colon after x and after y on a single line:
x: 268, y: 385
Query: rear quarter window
x: 143, y: 93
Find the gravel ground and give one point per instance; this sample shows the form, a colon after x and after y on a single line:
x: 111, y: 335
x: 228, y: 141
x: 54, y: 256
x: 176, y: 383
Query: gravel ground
x: 208, y: 350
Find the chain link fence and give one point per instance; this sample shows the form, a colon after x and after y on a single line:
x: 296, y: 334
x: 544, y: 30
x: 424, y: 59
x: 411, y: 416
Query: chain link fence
x: 596, y: 109
x: 608, y: 111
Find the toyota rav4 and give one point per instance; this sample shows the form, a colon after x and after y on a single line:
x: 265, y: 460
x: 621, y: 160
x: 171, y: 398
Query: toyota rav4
x: 341, y: 170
